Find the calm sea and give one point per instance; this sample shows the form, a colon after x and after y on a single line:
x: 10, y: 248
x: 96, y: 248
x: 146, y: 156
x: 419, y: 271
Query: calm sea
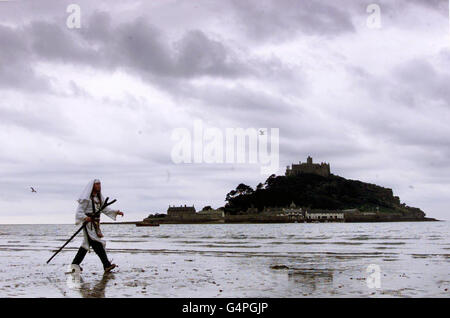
x: 234, y: 260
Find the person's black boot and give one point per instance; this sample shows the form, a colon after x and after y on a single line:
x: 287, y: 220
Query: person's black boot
x: 110, y: 268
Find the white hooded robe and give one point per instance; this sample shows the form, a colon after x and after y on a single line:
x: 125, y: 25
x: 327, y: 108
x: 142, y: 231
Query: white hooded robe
x: 85, y: 206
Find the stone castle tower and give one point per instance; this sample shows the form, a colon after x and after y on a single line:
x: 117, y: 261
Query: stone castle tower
x: 321, y: 169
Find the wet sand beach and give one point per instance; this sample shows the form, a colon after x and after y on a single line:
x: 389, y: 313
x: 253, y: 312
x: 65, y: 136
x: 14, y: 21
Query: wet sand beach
x: 232, y: 260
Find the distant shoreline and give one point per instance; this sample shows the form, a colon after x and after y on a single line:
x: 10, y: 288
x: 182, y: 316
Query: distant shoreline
x: 270, y: 222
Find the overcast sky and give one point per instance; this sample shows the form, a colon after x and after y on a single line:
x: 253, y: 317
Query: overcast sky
x: 103, y: 100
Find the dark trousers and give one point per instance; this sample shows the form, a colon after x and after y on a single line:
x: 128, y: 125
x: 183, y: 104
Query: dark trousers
x: 98, y: 249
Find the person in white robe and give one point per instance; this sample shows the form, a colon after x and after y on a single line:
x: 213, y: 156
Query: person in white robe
x: 91, y: 198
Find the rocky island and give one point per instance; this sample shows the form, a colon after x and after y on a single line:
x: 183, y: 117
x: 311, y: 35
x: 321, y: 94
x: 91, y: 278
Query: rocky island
x: 308, y: 192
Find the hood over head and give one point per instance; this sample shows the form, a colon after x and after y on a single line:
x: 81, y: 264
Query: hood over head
x: 86, y: 194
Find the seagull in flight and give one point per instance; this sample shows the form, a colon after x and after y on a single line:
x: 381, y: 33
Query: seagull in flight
x: 32, y: 190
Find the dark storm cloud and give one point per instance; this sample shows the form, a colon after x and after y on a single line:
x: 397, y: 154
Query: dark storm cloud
x: 145, y: 49
x: 137, y: 46
x: 149, y: 52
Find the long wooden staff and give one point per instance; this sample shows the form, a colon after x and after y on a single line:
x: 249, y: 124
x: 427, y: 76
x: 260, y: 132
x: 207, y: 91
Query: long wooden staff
x: 104, y: 206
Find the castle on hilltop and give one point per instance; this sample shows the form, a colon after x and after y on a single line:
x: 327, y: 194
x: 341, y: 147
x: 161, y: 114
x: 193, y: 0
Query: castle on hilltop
x: 321, y: 169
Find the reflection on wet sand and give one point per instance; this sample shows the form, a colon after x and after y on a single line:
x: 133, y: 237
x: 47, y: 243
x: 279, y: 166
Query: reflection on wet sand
x: 241, y: 260
x: 311, y: 280
x: 75, y: 282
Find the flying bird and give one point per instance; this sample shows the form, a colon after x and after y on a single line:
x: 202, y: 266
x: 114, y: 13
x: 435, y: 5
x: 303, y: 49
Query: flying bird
x: 32, y: 190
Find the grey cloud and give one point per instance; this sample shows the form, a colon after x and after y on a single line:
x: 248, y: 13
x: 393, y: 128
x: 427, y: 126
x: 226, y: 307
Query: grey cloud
x: 148, y: 51
x: 440, y: 6
x: 419, y: 78
x: 240, y: 99
x: 283, y: 19
x: 199, y: 55
x: 142, y: 48
x: 49, y: 41
x: 16, y: 69
x: 408, y: 112
x: 214, y: 69
x: 414, y: 91
x: 29, y: 118
x: 138, y: 47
